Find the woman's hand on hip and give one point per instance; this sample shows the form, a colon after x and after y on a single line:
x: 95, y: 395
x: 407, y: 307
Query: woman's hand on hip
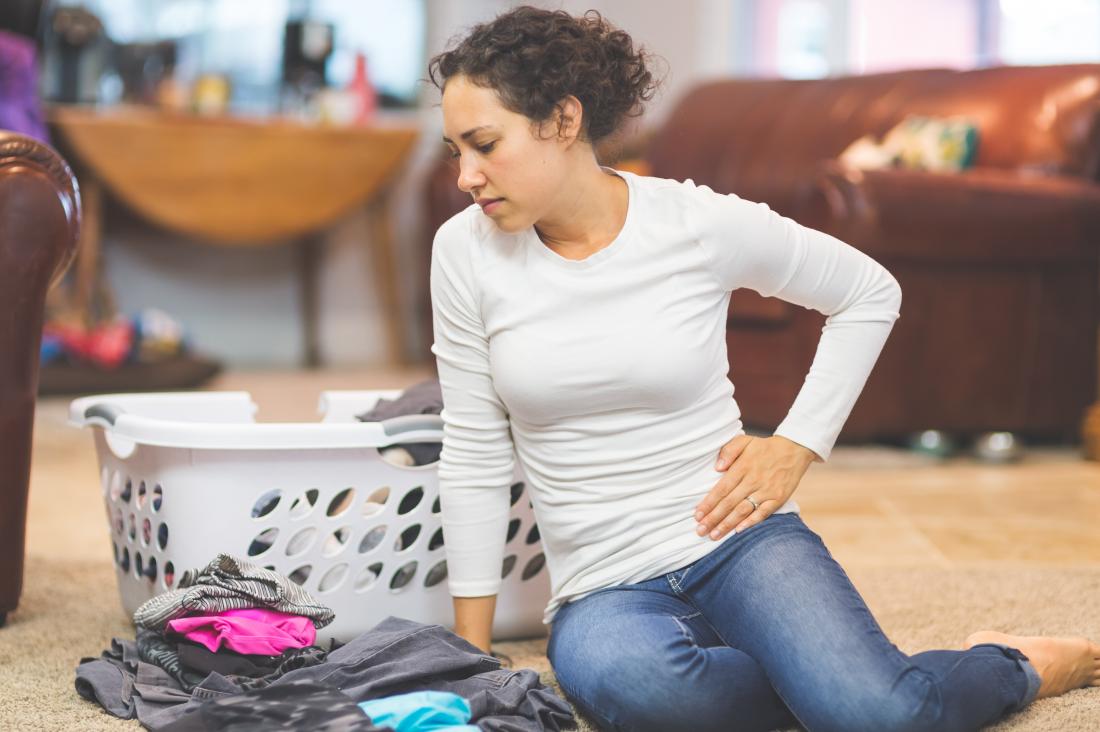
x: 766, y: 469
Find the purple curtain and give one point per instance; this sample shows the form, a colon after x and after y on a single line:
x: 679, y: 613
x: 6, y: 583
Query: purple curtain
x: 19, y: 109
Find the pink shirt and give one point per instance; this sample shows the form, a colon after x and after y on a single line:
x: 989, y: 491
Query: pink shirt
x: 252, y: 631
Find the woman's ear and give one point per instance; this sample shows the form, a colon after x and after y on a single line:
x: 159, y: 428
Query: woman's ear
x: 570, y: 119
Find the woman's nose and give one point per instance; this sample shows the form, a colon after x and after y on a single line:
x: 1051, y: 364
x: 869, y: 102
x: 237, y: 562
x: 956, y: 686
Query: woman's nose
x: 469, y: 176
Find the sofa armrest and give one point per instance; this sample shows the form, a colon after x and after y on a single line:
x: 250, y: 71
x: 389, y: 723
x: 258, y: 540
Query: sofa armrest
x: 39, y: 229
x: 962, y: 216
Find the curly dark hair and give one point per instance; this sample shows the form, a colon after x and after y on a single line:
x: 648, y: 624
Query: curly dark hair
x: 534, y: 58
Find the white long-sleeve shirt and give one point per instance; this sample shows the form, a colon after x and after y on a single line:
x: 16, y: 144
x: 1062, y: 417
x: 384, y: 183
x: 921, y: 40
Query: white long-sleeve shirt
x: 608, y: 376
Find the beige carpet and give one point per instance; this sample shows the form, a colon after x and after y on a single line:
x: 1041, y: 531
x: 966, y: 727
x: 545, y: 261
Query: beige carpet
x: 71, y: 609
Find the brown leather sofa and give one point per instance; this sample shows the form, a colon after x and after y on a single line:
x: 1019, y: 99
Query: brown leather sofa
x: 998, y: 265
x: 39, y: 230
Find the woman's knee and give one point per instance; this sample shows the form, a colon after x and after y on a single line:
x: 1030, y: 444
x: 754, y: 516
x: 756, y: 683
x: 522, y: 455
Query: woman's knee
x: 624, y: 700
x: 909, y: 704
x: 637, y: 686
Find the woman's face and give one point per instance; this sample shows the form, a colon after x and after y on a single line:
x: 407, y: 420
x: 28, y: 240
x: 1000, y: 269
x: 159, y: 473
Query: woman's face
x: 507, y: 169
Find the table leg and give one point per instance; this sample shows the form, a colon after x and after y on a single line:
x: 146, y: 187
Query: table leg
x: 309, y: 260
x: 87, y: 256
x: 387, y: 279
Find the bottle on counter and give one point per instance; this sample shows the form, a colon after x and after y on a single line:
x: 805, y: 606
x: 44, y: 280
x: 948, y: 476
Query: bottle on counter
x: 365, y: 94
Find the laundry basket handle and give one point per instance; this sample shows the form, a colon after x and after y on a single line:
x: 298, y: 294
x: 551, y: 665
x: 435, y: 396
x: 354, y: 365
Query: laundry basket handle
x: 411, y: 423
x: 105, y: 412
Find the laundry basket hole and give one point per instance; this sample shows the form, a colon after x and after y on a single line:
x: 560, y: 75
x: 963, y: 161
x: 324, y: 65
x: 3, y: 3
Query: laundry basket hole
x: 336, y: 541
x: 410, y: 501
x: 368, y: 577
x: 304, y: 504
x: 517, y: 491
x: 407, y: 538
x: 262, y: 542
x: 266, y: 503
x: 301, y: 574
x: 533, y: 566
x: 124, y: 560
x: 138, y: 565
x: 509, y: 564
x: 376, y: 501
x: 437, y: 539
x: 301, y: 541
x: 435, y: 505
x: 127, y: 491
x: 372, y: 539
x: 333, y: 578
x: 162, y: 535
x: 436, y: 574
x: 151, y: 570
x: 513, y: 529
x: 146, y: 531
x: 403, y: 576
x: 533, y: 534
x: 118, y: 521
x: 158, y: 497
x: 341, y: 502
x: 132, y: 527
x: 141, y: 494
x: 169, y: 574
x: 116, y: 486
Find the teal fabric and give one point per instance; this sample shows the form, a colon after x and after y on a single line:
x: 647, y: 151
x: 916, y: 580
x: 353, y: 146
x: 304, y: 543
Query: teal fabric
x: 421, y: 711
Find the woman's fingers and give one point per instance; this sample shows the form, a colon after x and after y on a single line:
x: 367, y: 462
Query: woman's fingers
x: 731, y: 451
x: 721, y: 490
x: 730, y: 511
x: 725, y: 505
x: 764, y: 509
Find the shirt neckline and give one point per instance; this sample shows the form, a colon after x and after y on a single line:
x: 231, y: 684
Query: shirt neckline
x: 608, y: 251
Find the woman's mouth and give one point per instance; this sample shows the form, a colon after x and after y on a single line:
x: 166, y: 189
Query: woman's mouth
x: 490, y: 205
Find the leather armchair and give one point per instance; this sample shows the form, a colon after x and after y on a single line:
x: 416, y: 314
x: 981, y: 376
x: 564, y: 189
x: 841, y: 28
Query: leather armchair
x: 998, y: 264
x: 39, y: 230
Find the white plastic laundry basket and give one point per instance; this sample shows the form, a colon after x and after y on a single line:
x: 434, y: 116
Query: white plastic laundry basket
x: 187, y: 475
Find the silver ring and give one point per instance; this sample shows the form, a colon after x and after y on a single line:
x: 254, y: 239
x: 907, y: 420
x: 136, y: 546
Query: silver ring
x: 755, y: 505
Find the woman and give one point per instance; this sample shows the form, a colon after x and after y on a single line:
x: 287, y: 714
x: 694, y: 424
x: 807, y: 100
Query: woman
x: 579, y: 316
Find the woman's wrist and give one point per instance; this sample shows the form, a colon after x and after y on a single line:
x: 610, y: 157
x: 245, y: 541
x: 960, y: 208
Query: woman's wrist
x: 807, y: 455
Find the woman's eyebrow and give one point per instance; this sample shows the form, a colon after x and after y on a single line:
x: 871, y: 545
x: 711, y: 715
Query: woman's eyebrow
x: 466, y: 135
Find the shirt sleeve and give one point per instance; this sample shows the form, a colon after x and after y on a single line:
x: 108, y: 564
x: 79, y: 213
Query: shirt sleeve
x: 751, y: 246
x: 477, y: 462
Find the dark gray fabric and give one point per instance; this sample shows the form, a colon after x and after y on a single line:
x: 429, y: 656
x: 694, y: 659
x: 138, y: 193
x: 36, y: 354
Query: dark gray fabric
x: 155, y: 649
x: 229, y: 583
x: 295, y: 706
x: 399, y: 656
x: 197, y: 657
x: 423, y: 398
x: 249, y: 672
x: 394, y: 657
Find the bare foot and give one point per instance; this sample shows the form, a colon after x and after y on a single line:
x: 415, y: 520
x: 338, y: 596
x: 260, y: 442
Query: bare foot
x: 1063, y: 664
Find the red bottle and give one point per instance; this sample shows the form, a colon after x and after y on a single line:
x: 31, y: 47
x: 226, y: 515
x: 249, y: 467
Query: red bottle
x: 365, y: 93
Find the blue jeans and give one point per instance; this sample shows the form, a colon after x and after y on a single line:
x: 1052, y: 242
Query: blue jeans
x: 767, y: 632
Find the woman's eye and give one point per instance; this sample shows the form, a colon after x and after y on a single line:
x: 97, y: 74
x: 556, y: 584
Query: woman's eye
x: 483, y: 149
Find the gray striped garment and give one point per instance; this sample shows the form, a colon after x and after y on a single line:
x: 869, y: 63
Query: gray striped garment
x: 229, y: 583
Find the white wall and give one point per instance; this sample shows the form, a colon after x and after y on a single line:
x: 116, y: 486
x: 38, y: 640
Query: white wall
x: 242, y: 305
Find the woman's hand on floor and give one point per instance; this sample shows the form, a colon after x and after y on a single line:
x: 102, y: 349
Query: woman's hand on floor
x: 766, y: 468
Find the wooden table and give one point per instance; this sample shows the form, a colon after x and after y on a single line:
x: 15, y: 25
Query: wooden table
x: 235, y: 182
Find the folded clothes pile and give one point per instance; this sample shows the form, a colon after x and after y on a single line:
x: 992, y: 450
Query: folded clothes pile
x: 232, y: 648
